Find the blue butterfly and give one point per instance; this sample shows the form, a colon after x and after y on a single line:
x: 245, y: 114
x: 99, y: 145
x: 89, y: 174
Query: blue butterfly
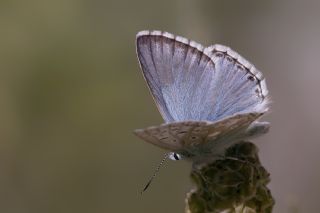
x: 210, y: 97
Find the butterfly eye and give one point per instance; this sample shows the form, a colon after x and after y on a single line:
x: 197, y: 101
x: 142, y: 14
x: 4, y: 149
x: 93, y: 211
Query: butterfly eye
x: 174, y: 156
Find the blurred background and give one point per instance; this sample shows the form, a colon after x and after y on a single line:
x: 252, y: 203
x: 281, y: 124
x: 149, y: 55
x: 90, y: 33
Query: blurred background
x: 71, y: 93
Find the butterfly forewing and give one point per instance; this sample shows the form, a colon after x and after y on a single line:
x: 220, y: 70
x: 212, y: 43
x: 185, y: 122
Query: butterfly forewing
x: 178, y: 73
x: 190, y: 82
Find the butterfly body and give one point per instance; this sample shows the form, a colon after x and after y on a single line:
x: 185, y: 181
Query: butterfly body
x: 210, y: 98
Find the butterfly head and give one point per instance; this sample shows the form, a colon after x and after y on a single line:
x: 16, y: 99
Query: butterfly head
x: 175, y: 156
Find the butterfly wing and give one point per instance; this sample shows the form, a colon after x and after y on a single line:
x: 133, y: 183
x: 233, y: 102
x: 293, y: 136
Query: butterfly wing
x: 190, y: 82
x: 177, y: 135
x: 179, y: 75
x: 231, y: 130
x: 195, y: 138
x: 239, y: 86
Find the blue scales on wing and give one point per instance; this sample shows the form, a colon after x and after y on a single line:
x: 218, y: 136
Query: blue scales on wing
x: 190, y: 82
x: 209, y: 97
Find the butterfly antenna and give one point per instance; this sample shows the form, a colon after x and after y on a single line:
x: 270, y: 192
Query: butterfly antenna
x: 155, y: 173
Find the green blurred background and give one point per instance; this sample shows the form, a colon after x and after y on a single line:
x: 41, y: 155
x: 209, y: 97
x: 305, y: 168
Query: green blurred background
x: 71, y: 93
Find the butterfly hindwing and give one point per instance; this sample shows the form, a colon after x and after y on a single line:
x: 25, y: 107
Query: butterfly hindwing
x: 239, y: 86
x: 189, y: 137
x: 175, y: 136
x: 231, y: 130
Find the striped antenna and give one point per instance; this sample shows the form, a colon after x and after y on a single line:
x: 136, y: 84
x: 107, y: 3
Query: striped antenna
x: 155, y: 173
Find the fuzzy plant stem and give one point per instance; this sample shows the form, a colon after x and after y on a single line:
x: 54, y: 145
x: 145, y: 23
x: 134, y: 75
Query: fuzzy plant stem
x: 235, y: 183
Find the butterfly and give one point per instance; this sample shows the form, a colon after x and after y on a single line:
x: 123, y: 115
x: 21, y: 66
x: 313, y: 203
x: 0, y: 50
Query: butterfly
x: 209, y: 97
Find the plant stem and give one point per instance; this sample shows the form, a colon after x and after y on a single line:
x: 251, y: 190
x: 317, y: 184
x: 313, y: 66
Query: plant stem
x: 235, y: 183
